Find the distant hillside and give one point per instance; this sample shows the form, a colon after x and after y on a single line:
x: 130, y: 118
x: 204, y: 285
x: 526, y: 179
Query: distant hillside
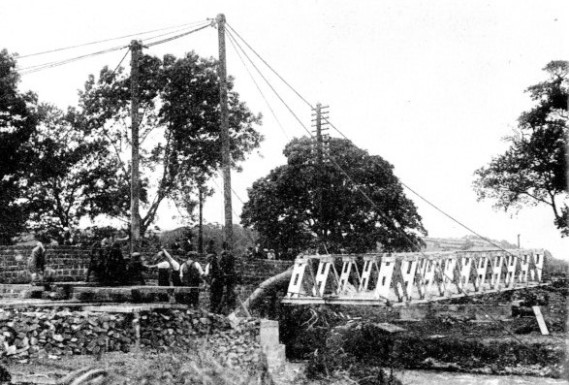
x: 553, y: 267
x: 242, y: 238
x: 468, y: 242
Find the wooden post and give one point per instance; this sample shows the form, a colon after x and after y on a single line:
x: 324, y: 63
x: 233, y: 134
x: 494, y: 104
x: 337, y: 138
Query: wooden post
x: 200, y: 226
x: 225, y: 154
x: 136, y: 49
x: 136, y: 326
x: 540, y: 320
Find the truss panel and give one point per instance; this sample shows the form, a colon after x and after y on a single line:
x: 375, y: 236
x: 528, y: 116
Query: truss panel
x: 408, y: 278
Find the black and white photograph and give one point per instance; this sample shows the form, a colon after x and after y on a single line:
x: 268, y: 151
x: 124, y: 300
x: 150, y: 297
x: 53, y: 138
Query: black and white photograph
x: 269, y: 192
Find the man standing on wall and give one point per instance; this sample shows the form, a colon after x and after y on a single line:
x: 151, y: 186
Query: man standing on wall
x: 227, y: 266
x: 215, y: 278
x: 174, y: 268
x: 191, y: 274
x: 36, y: 263
x: 136, y: 269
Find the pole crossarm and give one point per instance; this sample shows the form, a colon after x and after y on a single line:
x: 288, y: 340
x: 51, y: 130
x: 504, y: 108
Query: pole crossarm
x: 380, y: 279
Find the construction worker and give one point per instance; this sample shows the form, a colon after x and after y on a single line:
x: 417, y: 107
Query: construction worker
x: 215, y: 278
x: 191, y: 274
x: 227, y: 266
x: 36, y: 263
x: 135, y: 270
x: 174, y: 268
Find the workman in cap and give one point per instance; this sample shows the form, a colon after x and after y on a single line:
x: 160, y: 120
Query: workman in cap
x: 215, y: 278
x: 36, y: 263
x: 136, y: 269
x: 174, y: 268
x: 227, y: 266
x: 191, y: 274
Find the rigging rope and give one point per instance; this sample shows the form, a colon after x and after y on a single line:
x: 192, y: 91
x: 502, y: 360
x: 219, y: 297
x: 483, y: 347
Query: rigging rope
x: 269, y: 66
x: 331, y: 157
x: 178, y: 36
x: 403, y: 233
x: 233, y: 44
x: 231, y: 30
x: 106, y: 40
x: 57, y: 63
x: 40, y: 67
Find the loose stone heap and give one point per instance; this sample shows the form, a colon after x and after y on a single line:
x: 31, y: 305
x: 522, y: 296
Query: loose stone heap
x: 29, y: 332
x: 32, y: 332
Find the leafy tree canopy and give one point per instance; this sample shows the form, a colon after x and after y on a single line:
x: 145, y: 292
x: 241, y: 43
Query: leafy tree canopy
x: 72, y: 174
x: 179, y: 134
x: 284, y: 207
x: 17, y: 122
x: 533, y: 170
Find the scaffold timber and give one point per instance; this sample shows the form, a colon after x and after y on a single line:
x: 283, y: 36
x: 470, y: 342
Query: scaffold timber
x: 410, y: 278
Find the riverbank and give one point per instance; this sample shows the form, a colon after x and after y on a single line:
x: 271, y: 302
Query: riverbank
x: 357, y: 340
x: 420, y: 377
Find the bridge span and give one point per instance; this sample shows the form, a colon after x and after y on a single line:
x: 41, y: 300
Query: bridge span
x: 410, y: 278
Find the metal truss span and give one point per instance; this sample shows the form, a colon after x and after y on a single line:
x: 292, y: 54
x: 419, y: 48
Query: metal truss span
x: 410, y: 278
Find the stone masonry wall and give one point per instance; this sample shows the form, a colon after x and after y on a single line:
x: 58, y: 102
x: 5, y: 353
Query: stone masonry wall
x: 27, y: 333
x: 70, y: 264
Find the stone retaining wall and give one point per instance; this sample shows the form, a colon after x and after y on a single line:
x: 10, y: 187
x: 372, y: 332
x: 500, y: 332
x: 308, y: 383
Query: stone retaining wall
x: 27, y: 333
x: 70, y: 264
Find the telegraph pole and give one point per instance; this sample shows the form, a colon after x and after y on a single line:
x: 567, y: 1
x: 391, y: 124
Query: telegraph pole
x: 319, y: 113
x: 136, y: 50
x: 225, y: 154
x: 320, y: 123
x: 319, y: 134
x: 200, y: 228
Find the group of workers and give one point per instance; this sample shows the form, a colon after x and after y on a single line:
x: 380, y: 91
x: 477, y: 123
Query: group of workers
x: 108, y: 267
x: 219, y: 273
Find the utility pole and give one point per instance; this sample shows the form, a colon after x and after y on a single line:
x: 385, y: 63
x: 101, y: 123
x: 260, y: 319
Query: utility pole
x: 225, y: 154
x: 320, y: 113
x: 320, y: 123
x: 136, y: 50
x: 200, y: 228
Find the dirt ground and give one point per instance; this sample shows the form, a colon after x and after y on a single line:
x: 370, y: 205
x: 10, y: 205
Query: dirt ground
x: 445, y: 340
x: 144, y: 367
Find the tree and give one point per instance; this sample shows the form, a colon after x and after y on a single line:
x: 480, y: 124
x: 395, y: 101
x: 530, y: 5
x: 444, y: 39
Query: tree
x: 72, y: 174
x: 533, y: 170
x: 17, y: 122
x: 284, y: 207
x: 180, y: 142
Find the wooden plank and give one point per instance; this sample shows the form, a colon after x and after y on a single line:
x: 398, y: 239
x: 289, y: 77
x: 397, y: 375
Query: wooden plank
x: 130, y: 308
x: 389, y: 328
x: 540, y: 320
x: 247, y: 313
x: 367, y: 301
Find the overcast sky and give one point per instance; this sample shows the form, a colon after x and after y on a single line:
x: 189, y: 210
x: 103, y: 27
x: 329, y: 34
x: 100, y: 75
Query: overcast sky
x: 431, y: 86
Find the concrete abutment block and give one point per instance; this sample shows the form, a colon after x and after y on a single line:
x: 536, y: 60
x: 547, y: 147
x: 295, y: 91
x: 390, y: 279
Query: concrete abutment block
x: 270, y: 343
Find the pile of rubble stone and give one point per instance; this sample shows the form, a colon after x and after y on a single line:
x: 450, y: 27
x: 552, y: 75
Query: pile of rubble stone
x: 232, y: 343
x: 32, y: 332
